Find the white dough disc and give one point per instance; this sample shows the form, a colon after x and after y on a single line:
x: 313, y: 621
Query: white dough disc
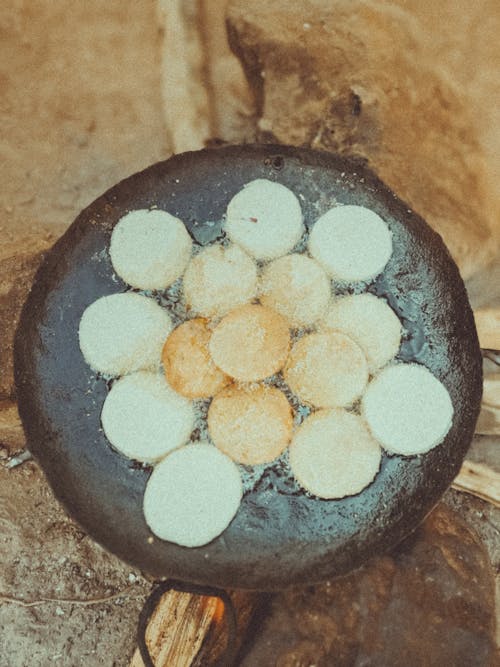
x: 334, y: 455
x: 192, y: 495
x: 122, y: 333
x: 408, y: 410
x: 370, y: 322
x: 219, y: 279
x: 297, y: 287
x: 144, y: 418
x: 351, y: 243
x: 265, y: 219
x: 326, y: 370
x: 149, y: 249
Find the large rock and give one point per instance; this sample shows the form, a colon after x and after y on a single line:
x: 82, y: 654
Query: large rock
x: 410, y: 86
x: 430, y: 602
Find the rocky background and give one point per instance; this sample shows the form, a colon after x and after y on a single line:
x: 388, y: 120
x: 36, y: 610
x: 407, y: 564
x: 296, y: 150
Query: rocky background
x: 91, y: 92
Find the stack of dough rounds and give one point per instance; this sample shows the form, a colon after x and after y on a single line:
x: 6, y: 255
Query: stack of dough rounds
x: 144, y: 418
x: 189, y: 369
x: 149, y: 249
x: 371, y: 323
x: 122, y: 333
x: 219, y: 279
x: 251, y: 425
x: 297, y: 287
x: 265, y: 219
x: 327, y: 370
x: 351, y: 243
x: 192, y: 495
x: 250, y: 343
x: 333, y: 454
x: 407, y: 409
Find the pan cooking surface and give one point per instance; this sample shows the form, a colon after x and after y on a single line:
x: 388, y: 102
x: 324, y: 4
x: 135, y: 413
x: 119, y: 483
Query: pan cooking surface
x: 280, y: 535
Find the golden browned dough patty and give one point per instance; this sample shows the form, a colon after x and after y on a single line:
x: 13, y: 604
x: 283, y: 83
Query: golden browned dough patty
x: 250, y: 343
x: 251, y: 425
x: 327, y: 370
x: 187, y: 363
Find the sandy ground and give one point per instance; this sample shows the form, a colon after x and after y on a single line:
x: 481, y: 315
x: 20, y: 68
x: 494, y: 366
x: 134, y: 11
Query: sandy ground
x: 80, y: 105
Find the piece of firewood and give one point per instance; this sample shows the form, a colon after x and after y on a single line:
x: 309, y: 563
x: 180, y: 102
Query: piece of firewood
x: 185, y: 95
x: 11, y: 430
x: 479, y: 480
x: 488, y: 327
x: 191, y: 630
x: 489, y: 417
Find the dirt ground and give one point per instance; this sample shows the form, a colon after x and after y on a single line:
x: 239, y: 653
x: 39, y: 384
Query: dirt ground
x: 65, y: 601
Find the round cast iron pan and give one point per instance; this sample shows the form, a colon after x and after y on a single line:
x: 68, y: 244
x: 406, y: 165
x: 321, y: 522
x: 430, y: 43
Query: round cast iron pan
x: 280, y: 536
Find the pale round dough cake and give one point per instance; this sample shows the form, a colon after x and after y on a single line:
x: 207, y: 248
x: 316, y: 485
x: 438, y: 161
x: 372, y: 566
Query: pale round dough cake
x: 144, y: 418
x: 192, y: 495
x: 326, y: 370
x: 370, y: 322
x: 265, y: 219
x: 219, y: 279
x: 187, y: 363
x: 122, y: 333
x: 352, y: 243
x: 250, y: 343
x: 334, y: 455
x: 252, y: 425
x: 297, y: 287
x: 407, y: 409
x: 149, y: 249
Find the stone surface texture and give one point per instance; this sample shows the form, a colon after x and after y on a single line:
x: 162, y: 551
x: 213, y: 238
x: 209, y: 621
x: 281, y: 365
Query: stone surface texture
x: 411, y: 86
x: 427, y: 603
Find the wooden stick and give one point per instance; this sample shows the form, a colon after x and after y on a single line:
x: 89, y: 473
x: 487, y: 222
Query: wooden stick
x: 188, y: 630
x: 488, y: 327
x: 479, y: 480
x: 11, y: 430
x: 185, y: 95
x: 489, y: 417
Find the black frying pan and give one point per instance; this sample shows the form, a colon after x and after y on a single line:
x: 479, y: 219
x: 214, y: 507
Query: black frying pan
x: 280, y: 536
